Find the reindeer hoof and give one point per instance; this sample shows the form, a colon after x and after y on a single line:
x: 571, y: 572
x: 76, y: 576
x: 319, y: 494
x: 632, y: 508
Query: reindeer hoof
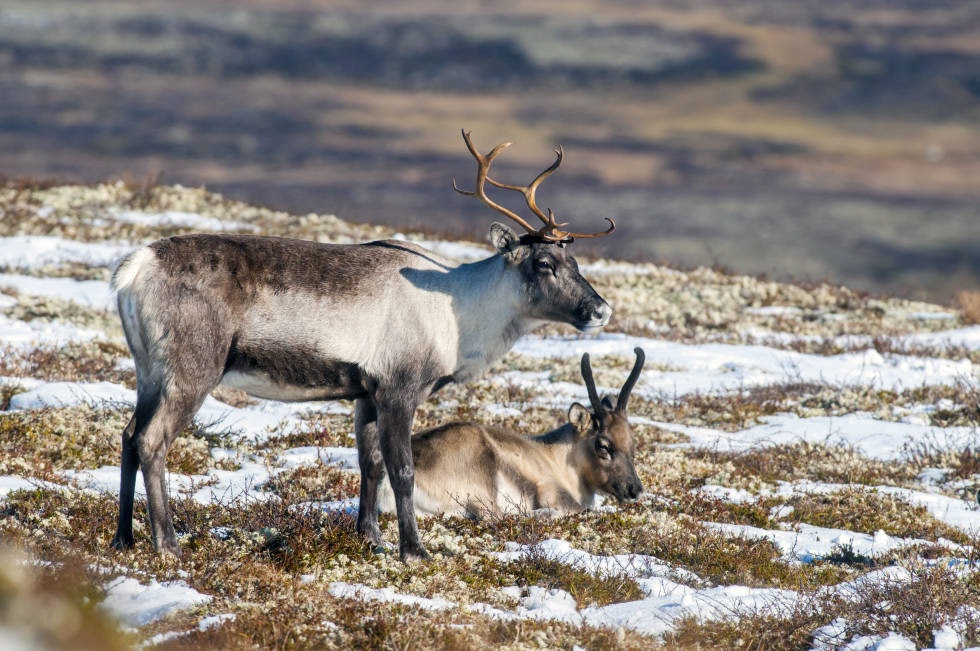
x: 372, y: 533
x: 414, y: 555
x: 169, y: 549
x: 170, y: 556
x: 382, y: 547
x: 122, y: 543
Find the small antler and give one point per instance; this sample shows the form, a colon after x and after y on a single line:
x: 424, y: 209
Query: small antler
x: 624, y: 393
x: 551, y: 231
x: 590, y: 384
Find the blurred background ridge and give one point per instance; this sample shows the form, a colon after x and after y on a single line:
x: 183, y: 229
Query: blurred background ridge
x: 809, y: 140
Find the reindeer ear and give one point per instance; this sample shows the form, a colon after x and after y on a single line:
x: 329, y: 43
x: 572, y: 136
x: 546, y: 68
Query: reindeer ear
x: 607, y: 403
x: 506, y: 241
x: 580, y: 417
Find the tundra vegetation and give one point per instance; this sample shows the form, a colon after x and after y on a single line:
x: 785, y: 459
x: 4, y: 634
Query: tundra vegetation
x: 277, y: 558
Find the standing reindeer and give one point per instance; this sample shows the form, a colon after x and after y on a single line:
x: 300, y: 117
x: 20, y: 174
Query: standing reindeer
x: 383, y: 323
x: 471, y: 469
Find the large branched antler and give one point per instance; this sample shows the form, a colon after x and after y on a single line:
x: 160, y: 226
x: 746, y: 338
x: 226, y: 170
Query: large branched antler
x: 552, y: 230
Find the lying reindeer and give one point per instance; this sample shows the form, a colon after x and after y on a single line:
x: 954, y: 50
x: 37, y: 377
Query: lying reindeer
x: 469, y: 469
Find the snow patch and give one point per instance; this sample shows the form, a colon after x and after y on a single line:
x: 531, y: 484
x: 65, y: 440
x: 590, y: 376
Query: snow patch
x: 179, y: 219
x: 343, y: 590
x: 95, y: 294
x: 135, y: 604
x: 34, y: 251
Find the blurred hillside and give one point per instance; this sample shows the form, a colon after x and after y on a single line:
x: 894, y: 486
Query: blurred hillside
x: 807, y: 140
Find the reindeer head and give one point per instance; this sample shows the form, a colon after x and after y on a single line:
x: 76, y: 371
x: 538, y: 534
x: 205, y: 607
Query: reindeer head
x: 553, y: 288
x: 605, y: 440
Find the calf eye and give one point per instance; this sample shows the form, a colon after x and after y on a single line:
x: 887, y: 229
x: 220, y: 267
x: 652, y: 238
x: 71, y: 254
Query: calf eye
x: 603, y: 448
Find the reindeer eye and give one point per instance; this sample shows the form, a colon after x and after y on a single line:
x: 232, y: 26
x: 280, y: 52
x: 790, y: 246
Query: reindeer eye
x: 544, y: 264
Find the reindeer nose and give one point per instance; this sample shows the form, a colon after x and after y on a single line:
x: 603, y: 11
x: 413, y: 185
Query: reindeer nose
x: 593, y: 315
x: 596, y: 314
x: 602, y: 313
x: 633, y: 490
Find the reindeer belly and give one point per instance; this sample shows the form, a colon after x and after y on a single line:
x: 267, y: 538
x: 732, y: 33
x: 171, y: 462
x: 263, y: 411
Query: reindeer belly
x: 514, y: 494
x: 425, y: 504
x: 290, y: 373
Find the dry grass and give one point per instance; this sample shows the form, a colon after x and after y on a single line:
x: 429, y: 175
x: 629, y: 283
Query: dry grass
x: 868, y: 511
x: 961, y: 459
x: 535, y: 569
x: 969, y: 303
x: 54, y: 606
x: 806, y: 461
x: 320, y: 482
x: 317, y: 429
x: 72, y: 362
x: 270, y: 555
x: 916, y: 608
x: 251, y: 555
x: 760, y: 629
x: 40, y: 442
x: 723, y: 559
x: 48, y: 308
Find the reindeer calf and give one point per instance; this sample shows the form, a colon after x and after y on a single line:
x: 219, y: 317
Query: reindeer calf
x: 470, y: 469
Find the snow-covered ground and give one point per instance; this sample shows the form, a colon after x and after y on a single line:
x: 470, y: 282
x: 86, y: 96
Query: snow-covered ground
x: 674, y: 370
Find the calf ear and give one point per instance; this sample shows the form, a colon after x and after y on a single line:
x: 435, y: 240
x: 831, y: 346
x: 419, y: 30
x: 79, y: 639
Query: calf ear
x: 507, y: 242
x: 581, y: 418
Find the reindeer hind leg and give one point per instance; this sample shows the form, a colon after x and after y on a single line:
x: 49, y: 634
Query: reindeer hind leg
x: 180, y: 356
x: 173, y: 415
x: 163, y: 410
x: 128, y: 466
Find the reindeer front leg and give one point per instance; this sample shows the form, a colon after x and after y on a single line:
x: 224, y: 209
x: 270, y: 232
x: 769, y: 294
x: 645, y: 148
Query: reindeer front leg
x: 553, y: 500
x: 372, y: 469
x: 395, y: 416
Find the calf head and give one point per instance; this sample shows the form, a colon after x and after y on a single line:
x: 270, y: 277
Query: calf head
x: 605, y: 439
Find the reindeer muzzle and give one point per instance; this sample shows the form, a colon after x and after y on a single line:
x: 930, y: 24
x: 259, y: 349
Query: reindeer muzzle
x: 594, y: 316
